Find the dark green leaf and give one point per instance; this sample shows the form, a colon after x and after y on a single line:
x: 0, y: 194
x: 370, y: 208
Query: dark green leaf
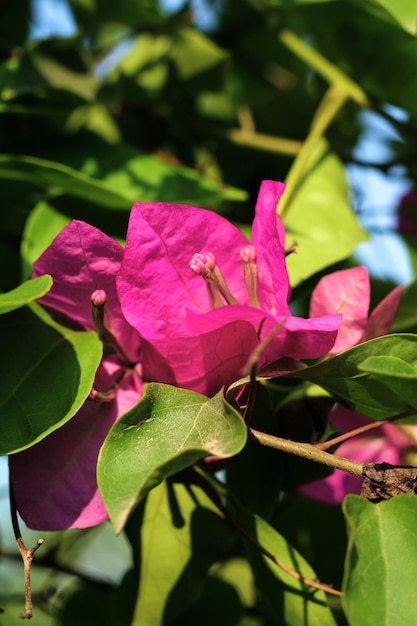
x: 168, y: 430
x: 46, y: 373
x: 142, y: 178
x: 402, y: 13
x: 289, y: 600
x: 345, y: 376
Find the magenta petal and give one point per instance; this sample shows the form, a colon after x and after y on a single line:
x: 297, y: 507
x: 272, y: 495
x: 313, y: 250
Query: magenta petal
x: 268, y: 238
x: 203, y: 363
x: 156, y: 285
x: 346, y: 292
x: 55, y: 481
x: 301, y: 338
x: 297, y: 338
x: 383, y: 315
x: 82, y: 259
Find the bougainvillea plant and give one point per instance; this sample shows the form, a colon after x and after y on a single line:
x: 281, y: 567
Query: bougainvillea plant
x: 208, y: 382
x: 198, y: 336
x: 191, y: 319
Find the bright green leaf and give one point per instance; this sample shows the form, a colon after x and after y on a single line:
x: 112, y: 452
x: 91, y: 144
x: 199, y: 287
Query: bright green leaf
x: 42, y: 226
x: 168, y: 430
x: 388, y: 366
x: 193, y: 53
x: 46, y: 373
x: 180, y: 537
x: 25, y: 293
x: 381, y: 561
x: 367, y: 391
x: 320, y: 219
x: 58, y: 76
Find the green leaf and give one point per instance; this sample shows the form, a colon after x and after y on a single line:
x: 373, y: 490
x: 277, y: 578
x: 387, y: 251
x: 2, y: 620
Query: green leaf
x: 42, y: 226
x: 168, y: 430
x: 402, y: 13
x: 56, y: 75
x: 381, y: 561
x: 60, y: 178
x: 46, y: 373
x: 25, y: 293
x: 140, y: 177
x: 193, y: 53
x: 289, y: 600
x: 383, y: 60
x: 397, y: 374
x: 320, y: 219
x: 347, y: 377
x: 181, y: 535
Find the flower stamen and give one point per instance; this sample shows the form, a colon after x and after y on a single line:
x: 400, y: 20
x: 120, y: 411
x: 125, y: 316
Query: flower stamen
x: 250, y: 274
x: 205, y: 265
x: 105, y: 332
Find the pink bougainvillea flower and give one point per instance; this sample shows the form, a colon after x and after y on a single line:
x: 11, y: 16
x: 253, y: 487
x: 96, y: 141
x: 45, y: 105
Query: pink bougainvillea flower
x: 348, y: 292
x: 55, y: 480
x: 159, y: 303
x: 201, y: 297
x: 386, y: 444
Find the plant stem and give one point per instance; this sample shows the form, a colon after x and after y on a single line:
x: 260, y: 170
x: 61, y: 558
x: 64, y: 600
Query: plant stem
x: 330, y: 72
x: 266, y: 143
x: 308, y: 451
x: 325, y: 445
x: 332, y: 102
x: 27, y: 555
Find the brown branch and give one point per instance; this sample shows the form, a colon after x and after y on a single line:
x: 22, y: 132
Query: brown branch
x: 325, y: 445
x: 27, y: 555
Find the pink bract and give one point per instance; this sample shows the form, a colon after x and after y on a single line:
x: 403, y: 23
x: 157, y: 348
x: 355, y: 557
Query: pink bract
x: 54, y: 481
x: 348, y: 292
x: 191, y: 337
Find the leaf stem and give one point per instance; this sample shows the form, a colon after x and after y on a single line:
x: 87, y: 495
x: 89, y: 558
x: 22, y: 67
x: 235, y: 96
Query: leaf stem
x: 330, y: 72
x: 266, y: 143
x: 308, y: 451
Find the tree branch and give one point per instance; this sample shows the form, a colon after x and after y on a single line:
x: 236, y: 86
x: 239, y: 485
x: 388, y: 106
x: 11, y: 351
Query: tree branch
x: 27, y: 555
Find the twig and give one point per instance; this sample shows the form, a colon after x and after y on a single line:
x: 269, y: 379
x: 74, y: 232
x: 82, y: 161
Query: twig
x: 27, y: 555
x: 325, y: 445
x: 208, y: 489
x: 308, y: 451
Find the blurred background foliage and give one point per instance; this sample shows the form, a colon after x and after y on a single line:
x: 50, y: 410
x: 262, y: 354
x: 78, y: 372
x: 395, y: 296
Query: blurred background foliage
x: 139, y: 103
x: 145, y: 102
